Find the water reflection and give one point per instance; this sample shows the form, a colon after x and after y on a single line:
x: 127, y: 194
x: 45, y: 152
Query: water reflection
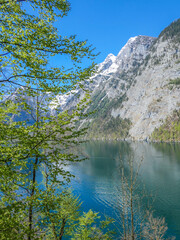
x: 98, y: 179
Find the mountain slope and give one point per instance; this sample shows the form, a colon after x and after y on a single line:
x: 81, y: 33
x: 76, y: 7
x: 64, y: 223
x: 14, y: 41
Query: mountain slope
x: 134, y: 92
x: 152, y: 99
x: 116, y: 75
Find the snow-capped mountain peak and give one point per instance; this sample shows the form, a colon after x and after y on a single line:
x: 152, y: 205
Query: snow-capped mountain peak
x: 135, y: 49
x: 108, y: 65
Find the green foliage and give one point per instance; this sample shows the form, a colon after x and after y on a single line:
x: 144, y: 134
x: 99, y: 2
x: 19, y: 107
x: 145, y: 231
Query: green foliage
x: 88, y: 228
x: 29, y: 136
x: 175, y: 81
x: 171, y: 32
x: 109, y: 128
x: 102, y: 105
x: 59, y: 214
x: 103, y: 125
x: 29, y: 38
x: 170, y: 130
x: 99, y: 99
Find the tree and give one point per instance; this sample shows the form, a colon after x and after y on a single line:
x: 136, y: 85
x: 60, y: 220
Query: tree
x: 30, y: 137
x: 136, y: 219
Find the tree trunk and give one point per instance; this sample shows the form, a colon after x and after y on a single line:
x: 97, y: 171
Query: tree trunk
x: 32, y: 194
x: 62, y: 229
x: 34, y: 173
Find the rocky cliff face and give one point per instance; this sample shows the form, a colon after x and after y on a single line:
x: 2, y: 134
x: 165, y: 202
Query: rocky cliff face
x: 153, y: 98
x: 132, y: 92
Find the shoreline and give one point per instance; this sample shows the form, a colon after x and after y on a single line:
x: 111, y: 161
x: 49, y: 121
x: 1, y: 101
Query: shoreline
x: 128, y: 140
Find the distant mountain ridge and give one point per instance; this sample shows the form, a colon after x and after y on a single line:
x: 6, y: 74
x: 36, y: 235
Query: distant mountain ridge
x: 131, y: 93
x: 136, y: 94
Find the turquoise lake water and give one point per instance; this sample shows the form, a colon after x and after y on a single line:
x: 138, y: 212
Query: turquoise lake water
x: 98, y: 179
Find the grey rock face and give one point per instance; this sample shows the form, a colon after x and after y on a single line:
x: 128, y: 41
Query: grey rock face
x: 134, y: 52
x: 152, y: 99
x: 116, y: 70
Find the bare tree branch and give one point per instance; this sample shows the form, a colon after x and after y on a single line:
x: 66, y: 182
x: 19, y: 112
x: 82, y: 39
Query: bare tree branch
x: 4, y: 54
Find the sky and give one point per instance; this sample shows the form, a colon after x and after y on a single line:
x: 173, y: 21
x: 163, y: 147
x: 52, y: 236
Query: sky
x: 108, y: 24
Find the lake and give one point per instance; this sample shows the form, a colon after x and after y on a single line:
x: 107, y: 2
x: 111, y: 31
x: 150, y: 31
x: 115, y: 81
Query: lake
x: 98, y: 179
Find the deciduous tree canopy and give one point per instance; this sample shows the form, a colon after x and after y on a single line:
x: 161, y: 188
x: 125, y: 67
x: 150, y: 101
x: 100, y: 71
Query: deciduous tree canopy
x: 34, y: 144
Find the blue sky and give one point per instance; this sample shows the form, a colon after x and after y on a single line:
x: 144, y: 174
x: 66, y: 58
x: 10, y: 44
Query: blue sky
x: 108, y: 24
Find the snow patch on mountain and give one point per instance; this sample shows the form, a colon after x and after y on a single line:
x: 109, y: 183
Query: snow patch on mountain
x: 60, y: 101
x: 109, y: 65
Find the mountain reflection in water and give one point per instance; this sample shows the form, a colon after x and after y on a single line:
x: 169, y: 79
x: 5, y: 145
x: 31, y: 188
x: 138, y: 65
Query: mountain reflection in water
x: 98, y: 179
